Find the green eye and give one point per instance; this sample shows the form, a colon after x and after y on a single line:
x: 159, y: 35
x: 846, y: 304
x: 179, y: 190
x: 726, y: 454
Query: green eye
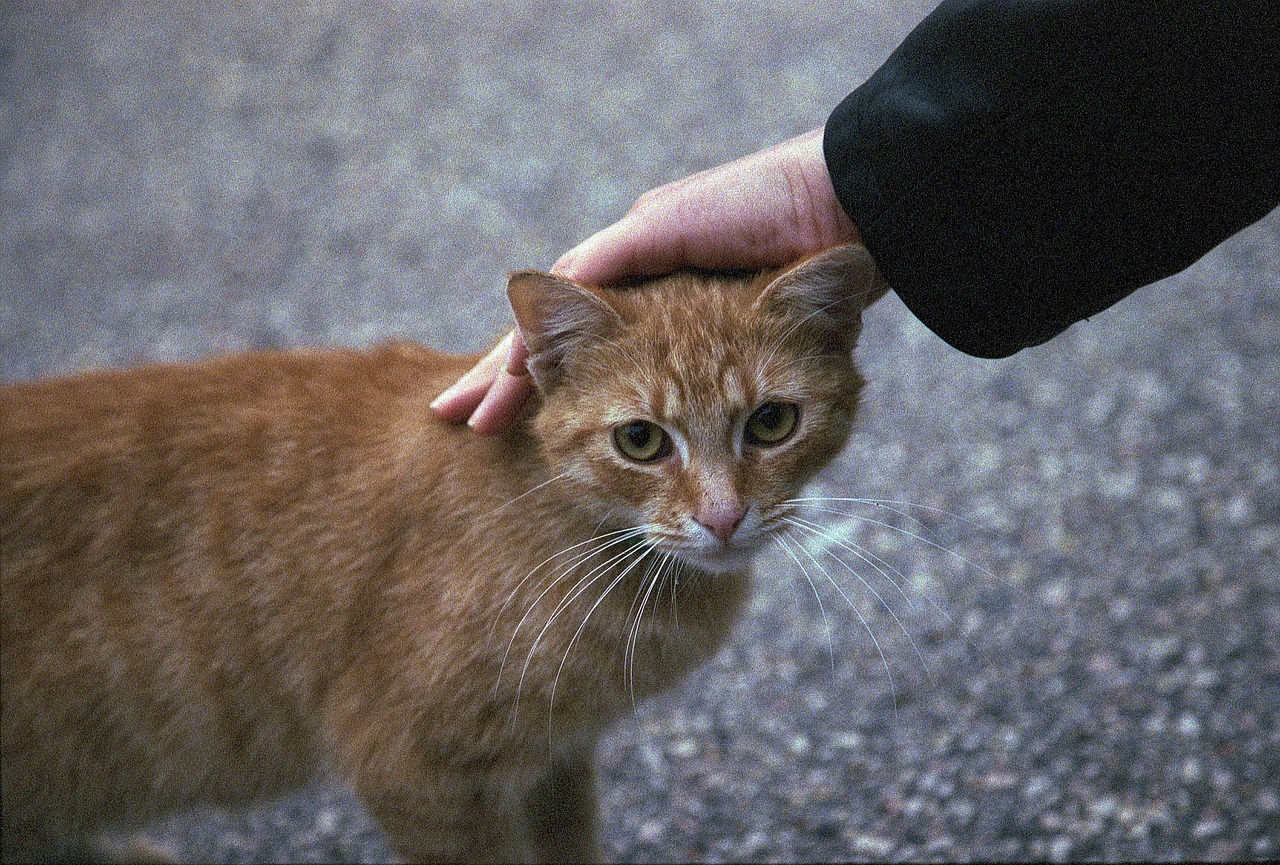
x: 772, y: 423
x: 641, y: 440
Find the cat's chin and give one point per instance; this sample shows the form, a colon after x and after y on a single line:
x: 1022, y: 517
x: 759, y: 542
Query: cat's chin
x: 719, y: 561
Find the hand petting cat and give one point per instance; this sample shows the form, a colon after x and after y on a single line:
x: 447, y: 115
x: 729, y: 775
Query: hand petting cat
x: 764, y: 210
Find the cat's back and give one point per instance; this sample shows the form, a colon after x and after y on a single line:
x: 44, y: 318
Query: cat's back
x: 106, y: 444
x: 68, y: 422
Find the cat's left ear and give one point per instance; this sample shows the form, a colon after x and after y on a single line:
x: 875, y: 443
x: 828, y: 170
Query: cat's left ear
x: 827, y: 292
x: 556, y: 317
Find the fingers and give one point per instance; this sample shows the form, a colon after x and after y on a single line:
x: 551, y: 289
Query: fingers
x: 489, y: 396
x: 509, y: 391
x: 502, y: 403
x: 518, y: 353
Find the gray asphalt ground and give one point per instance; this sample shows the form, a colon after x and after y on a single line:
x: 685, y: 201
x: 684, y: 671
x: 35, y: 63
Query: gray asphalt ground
x: 1083, y: 658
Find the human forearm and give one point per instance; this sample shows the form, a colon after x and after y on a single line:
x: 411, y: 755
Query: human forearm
x: 1017, y: 166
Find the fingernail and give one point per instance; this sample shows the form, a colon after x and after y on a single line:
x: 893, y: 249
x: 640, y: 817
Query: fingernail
x: 444, y: 397
x: 479, y: 417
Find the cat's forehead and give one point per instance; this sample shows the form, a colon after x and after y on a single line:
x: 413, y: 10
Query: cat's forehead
x: 695, y: 350
x: 697, y: 382
x: 705, y: 321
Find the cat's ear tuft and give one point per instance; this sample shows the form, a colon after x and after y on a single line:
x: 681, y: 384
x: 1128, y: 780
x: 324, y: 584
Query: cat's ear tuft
x: 556, y: 317
x: 827, y: 292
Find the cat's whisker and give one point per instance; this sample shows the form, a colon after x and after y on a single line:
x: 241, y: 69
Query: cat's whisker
x: 633, y: 621
x: 819, y: 532
x: 893, y: 690
x: 884, y: 503
x: 583, y: 583
x: 578, y: 557
x: 826, y: 620
x: 629, y: 650
x: 674, y: 576
x: 631, y: 646
x: 807, y: 502
x: 877, y: 561
x: 603, y: 542
x: 641, y: 553
x: 563, y: 570
x: 862, y: 553
x: 533, y: 489
x: 632, y: 625
x: 650, y: 590
x: 884, y: 568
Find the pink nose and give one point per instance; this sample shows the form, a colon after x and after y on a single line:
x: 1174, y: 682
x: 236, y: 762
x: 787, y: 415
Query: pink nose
x: 721, y: 519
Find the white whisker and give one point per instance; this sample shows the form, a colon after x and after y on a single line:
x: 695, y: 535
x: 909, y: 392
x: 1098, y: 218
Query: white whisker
x: 571, y: 562
x: 624, y: 537
x: 603, y: 542
x: 885, y: 503
x: 523, y: 494
x: 583, y: 583
x: 884, y: 568
x: 633, y: 637
x: 640, y: 554
x: 914, y: 536
x: 862, y: 553
x: 879, y: 562
x: 866, y: 626
x: 822, y: 533
x: 893, y: 528
x: 674, y: 575
x: 826, y: 620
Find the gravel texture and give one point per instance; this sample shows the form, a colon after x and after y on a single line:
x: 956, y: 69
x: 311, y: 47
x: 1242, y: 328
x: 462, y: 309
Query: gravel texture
x: 1080, y: 658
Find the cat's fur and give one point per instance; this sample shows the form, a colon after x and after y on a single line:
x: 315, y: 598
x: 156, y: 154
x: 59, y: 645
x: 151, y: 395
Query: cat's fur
x: 220, y: 578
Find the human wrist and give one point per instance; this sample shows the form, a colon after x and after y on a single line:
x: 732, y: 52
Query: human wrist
x: 832, y: 224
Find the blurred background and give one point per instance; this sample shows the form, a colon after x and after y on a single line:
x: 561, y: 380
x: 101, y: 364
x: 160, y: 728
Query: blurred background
x: 1064, y: 640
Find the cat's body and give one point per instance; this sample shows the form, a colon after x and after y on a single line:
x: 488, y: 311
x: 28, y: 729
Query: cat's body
x: 222, y: 578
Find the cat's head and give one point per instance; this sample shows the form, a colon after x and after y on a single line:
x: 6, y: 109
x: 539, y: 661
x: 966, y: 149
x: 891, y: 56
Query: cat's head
x: 695, y: 405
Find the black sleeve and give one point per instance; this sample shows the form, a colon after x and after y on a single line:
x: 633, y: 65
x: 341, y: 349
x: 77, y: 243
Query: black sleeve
x: 1017, y: 166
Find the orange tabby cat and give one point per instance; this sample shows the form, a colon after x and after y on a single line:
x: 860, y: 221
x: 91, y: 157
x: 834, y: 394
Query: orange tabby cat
x: 220, y: 578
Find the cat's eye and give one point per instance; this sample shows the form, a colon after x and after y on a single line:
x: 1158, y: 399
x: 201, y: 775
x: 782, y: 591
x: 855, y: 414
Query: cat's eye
x: 641, y: 440
x: 771, y: 424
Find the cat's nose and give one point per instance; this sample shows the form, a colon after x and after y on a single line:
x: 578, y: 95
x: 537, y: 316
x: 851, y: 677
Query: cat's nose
x: 721, y: 519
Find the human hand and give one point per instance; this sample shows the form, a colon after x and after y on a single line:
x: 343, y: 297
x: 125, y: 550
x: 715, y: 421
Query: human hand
x: 763, y: 210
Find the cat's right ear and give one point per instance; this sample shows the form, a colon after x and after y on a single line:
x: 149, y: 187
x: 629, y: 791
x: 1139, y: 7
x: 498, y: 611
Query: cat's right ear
x: 556, y: 317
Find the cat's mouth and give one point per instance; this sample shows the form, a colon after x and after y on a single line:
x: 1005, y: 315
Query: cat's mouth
x: 697, y: 548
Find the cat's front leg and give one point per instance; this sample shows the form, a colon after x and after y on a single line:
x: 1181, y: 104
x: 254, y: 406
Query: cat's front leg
x: 456, y: 817
x: 562, y: 811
